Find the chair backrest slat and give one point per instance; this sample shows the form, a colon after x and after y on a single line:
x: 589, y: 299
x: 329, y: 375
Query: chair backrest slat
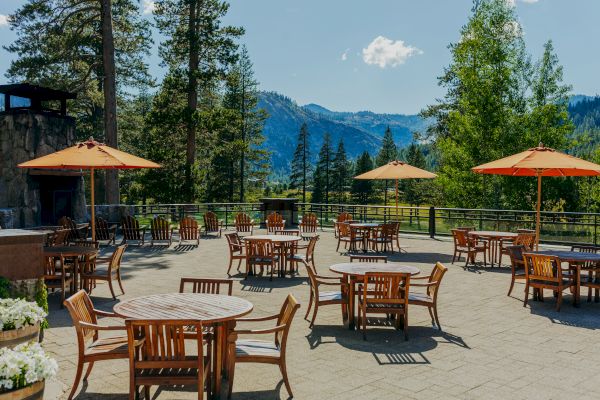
x: 386, y: 288
x: 160, y: 228
x: 543, y: 267
x: 206, y: 285
x: 188, y: 228
x: 260, y: 248
x: 243, y: 223
x: 286, y: 315
x: 309, y: 223
x: 211, y: 222
x: 368, y: 258
x: 131, y: 228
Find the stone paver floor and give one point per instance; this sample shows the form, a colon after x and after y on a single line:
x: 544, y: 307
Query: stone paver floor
x: 491, y: 346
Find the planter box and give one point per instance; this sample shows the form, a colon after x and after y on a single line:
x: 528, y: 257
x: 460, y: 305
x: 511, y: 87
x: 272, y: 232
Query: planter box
x: 21, y: 254
x: 35, y: 391
x: 17, y: 336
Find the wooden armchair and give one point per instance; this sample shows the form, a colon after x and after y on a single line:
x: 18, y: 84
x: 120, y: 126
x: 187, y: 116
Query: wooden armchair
x: 342, y: 217
x: 309, y: 224
x: 382, y: 236
x: 545, y: 272
x: 309, y: 257
x: 471, y: 246
x: 212, y: 223
x: 91, y: 347
x: 92, y: 273
x: 243, y: 224
x: 60, y: 237
x: 275, y: 222
x: 429, y: 298
x: 349, y: 236
x: 236, y: 250
x: 590, y: 272
x: 205, y: 285
x: 58, y: 275
x: 385, y: 293
x: 525, y: 239
x: 189, y: 230
x: 261, y: 253
x: 160, y: 230
x: 366, y: 258
x: 158, y: 355
x: 104, y: 231
x: 517, y: 264
x: 258, y: 351
x: 323, y: 298
x: 77, y: 231
x: 132, y: 230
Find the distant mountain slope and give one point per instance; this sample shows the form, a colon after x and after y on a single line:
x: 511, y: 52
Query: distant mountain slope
x: 360, y: 131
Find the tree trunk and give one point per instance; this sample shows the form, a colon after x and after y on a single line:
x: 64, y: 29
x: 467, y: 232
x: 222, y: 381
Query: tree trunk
x: 192, y: 100
x: 110, y: 97
x: 243, y: 155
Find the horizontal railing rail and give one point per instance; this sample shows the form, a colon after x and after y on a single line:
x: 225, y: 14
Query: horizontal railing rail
x: 556, y: 227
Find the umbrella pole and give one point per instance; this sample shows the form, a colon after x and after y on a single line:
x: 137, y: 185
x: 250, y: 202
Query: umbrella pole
x: 537, y: 217
x: 92, y: 203
x: 396, y: 199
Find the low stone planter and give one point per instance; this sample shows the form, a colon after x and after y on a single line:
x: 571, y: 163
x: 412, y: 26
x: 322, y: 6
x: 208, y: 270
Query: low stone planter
x: 35, y: 391
x: 17, y: 336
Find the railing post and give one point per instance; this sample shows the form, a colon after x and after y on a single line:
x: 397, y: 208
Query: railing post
x: 595, y: 230
x: 226, y: 216
x: 432, y: 222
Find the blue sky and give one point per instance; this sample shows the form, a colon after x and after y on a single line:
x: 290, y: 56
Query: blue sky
x: 381, y: 55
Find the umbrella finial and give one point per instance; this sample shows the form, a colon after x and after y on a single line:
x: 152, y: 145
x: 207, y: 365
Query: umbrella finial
x: 541, y: 145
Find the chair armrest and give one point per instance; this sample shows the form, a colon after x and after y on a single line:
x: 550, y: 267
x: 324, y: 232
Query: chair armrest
x: 424, y: 284
x: 102, y: 327
x: 337, y: 278
x: 270, y: 317
x: 418, y: 277
x: 106, y: 313
x: 259, y: 331
x: 330, y: 283
x: 103, y: 259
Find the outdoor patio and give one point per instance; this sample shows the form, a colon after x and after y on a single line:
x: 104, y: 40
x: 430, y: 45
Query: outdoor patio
x: 491, y: 346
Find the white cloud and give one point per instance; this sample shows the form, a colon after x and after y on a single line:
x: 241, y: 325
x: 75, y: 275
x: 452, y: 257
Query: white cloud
x: 3, y: 20
x: 345, y: 55
x: 513, y: 3
x: 148, y: 6
x: 385, y: 52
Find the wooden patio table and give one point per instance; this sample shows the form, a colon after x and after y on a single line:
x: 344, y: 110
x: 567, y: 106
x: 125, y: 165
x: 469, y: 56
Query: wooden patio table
x: 72, y: 252
x: 493, y: 238
x: 355, y: 271
x: 366, y: 226
x: 217, y: 310
x: 574, y: 258
x: 280, y: 242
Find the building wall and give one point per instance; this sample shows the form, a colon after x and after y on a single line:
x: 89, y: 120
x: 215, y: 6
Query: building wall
x: 25, y: 135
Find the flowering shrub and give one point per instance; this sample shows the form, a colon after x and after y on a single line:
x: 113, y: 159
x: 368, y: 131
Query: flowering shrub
x: 25, y: 364
x: 17, y: 313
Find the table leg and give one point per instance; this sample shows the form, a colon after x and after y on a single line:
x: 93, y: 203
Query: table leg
x: 76, y: 273
x: 351, y: 301
x: 218, y: 349
x: 577, y: 284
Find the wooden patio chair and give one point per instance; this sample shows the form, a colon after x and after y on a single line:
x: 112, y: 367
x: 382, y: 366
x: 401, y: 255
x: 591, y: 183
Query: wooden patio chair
x: 385, y: 293
x: 243, y: 223
x: 396, y: 236
x: 206, y: 285
x: 367, y: 258
x: 260, y: 253
x: 58, y: 275
x: 323, y: 298
x: 342, y: 217
x: 258, y: 351
x: 105, y: 231
x: 92, y: 273
x: 60, y: 237
x: 545, y: 272
x: 307, y: 258
x: 159, y: 355
x: 309, y: 225
x: 525, y: 239
x: 471, y: 246
x: 189, y: 230
x: 349, y: 236
x: 91, y: 348
x: 77, y: 231
x: 287, y: 232
x: 160, y: 230
x: 429, y: 298
x: 236, y: 250
x: 590, y: 272
x: 517, y: 264
x: 132, y: 231
x: 382, y: 236
x: 212, y: 223
x: 275, y: 222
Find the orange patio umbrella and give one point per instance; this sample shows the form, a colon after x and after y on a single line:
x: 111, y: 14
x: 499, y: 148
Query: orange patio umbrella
x: 539, y: 161
x: 396, y: 170
x: 89, y: 155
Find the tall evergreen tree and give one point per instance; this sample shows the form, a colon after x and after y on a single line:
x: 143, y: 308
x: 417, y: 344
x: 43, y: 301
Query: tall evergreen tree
x: 71, y: 45
x: 362, y: 190
x: 340, y: 173
x: 387, y: 153
x: 322, y: 173
x: 415, y: 189
x: 301, y: 165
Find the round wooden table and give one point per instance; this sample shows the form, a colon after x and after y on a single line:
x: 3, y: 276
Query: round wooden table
x: 72, y: 252
x: 494, y: 242
x: 217, y: 310
x: 355, y: 271
x: 280, y: 241
x: 365, y: 226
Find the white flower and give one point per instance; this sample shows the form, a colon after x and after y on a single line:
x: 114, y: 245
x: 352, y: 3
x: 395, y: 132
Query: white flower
x: 17, y: 313
x: 26, y: 361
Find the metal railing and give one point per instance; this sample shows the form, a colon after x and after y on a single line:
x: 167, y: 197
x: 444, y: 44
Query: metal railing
x: 556, y: 227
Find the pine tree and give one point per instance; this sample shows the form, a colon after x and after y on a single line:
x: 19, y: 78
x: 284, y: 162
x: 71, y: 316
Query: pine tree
x: 301, y: 165
x: 322, y: 173
x: 415, y: 189
x: 340, y: 174
x: 387, y: 153
x: 71, y: 45
x: 362, y: 189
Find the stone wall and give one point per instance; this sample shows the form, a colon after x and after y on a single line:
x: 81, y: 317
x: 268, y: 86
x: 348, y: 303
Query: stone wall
x: 24, y: 135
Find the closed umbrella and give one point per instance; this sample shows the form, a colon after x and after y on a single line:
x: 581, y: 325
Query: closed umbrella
x: 396, y: 170
x: 89, y: 155
x: 539, y: 161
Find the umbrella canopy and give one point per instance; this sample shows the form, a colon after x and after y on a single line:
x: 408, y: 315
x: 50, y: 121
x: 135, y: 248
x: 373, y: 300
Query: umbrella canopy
x: 539, y: 161
x: 89, y: 155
